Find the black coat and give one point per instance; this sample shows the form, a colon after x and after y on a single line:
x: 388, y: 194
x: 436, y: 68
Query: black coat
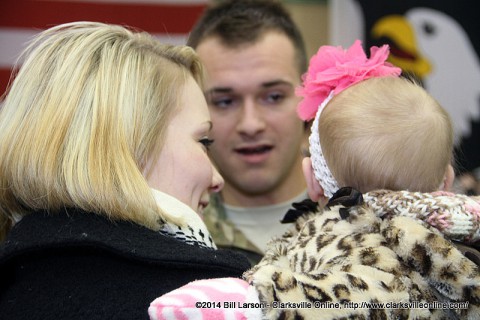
x: 78, y: 265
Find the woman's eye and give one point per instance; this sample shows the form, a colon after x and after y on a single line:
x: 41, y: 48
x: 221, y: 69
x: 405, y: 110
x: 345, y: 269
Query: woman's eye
x: 206, y: 142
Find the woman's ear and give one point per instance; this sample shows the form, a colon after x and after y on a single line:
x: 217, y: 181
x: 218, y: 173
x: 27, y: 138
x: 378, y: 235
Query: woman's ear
x: 315, y: 191
x: 448, y: 178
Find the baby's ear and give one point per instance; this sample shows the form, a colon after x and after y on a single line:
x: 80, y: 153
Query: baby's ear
x: 315, y: 191
x: 448, y: 178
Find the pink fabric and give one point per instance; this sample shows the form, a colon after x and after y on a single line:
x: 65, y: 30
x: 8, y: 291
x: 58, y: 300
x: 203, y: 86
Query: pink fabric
x: 443, y: 193
x: 335, y: 69
x: 202, y: 299
x: 474, y: 208
x: 440, y: 221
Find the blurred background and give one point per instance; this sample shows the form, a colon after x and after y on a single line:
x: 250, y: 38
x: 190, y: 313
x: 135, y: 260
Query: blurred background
x: 435, y: 41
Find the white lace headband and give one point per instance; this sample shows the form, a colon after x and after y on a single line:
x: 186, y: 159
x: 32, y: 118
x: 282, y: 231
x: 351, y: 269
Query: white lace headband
x: 320, y: 169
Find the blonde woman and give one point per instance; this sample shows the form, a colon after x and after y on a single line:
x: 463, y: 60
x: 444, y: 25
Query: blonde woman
x: 104, y: 174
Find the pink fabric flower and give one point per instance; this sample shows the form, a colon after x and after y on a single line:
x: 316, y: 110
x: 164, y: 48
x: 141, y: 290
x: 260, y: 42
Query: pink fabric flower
x: 334, y: 68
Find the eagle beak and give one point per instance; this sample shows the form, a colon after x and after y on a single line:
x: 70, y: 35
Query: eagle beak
x: 397, y: 32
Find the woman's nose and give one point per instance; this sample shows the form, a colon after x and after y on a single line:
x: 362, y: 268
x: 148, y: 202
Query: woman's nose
x: 217, y: 181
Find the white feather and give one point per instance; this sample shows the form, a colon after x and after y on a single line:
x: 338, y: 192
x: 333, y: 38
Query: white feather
x: 455, y: 78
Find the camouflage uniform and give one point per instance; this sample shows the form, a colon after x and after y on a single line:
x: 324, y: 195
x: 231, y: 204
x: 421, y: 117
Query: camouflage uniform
x: 225, y: 234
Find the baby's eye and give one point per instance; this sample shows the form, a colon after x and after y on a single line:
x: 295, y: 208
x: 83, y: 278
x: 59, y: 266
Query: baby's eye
x: 206, y: 142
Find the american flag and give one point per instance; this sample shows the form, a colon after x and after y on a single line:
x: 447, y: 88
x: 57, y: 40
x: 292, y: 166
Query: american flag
x: 168, y: 20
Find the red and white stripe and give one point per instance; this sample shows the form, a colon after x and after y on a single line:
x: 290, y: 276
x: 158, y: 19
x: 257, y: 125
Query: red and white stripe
x: 169, y: 20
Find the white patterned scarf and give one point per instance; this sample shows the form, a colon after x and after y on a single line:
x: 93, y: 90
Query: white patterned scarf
x: 194, y: 232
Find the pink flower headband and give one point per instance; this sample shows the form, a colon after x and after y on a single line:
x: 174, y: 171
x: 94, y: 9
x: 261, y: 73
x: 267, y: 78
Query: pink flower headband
x: 331, y: 71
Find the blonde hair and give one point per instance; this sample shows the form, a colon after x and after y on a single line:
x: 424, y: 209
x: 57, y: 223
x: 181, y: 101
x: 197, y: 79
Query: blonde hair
x: 89, y: 106
x: 386, y: 133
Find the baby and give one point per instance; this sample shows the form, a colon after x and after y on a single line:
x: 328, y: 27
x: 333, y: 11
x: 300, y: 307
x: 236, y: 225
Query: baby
x: 382, y: 246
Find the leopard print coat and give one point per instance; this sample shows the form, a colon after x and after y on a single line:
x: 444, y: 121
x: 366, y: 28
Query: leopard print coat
x: 345, y: 262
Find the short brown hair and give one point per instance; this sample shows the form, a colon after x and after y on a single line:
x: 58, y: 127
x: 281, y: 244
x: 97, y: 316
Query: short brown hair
x: 237, y: 22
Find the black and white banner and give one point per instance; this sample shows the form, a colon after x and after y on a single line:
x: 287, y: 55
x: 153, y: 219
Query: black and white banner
x: 437, y: 41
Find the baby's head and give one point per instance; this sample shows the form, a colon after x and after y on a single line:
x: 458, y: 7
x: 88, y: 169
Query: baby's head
x: 379, y: 131
x: 386, y: 133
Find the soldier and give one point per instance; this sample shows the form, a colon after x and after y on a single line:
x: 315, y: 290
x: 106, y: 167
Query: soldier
x: 254, y: 56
